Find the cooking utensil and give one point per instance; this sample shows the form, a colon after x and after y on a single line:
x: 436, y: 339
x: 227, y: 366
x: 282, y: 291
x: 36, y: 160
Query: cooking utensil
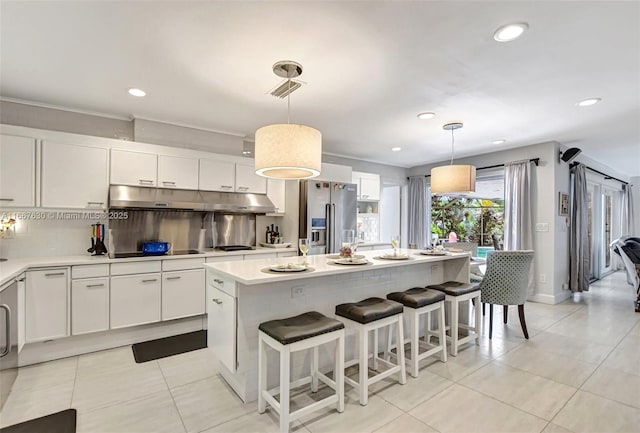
x: 155, y: 248
x: 93, y: 239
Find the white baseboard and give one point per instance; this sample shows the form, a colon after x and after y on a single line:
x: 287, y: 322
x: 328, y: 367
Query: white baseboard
x: 80, y: 344
x: 550, y: 299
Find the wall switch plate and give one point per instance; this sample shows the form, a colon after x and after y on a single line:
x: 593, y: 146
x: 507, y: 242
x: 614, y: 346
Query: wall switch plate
x: 542, y: 278
x: 297, y: 291
x: 542, y: 227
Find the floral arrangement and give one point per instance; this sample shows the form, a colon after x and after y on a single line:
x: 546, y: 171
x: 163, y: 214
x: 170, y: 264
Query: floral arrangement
x: 5, y: 225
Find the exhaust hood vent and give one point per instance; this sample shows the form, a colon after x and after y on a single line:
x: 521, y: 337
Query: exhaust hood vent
x: 208, y: 201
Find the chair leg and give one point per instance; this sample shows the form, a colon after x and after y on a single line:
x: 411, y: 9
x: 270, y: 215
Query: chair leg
x: 483, y: 304
x: 363, y: 373
x: 339, y: 376
x: 505, y: 313
x: 442, y: 333
x: 414, y: 322
x: 402, y: 376
x: 477, y: 321
x: 454, y: 327
x: 522, y: 321
x: 262, y: 374
x: 375, y: 349
x: 490, y: 321
x: 284, y: 390
x: 314, y: 369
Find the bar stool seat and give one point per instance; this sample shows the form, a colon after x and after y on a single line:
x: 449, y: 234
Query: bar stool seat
x: 305, y: 331
x: 455, y: 293
x: 372, y: 314
x: 419, y: 301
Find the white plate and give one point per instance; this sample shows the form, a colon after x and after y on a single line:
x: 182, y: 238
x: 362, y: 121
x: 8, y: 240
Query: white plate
x: 337, y: 256
x: 290, y: 267
x: 284, y: 245
x: 432, y: 253
x: 392, y: 257
x: 351, y: 261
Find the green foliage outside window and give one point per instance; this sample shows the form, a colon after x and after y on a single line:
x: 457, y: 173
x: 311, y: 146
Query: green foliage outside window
x: 473, y: 220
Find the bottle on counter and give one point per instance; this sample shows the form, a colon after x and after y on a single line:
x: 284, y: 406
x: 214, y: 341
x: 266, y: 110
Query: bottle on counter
x: 268, y: 236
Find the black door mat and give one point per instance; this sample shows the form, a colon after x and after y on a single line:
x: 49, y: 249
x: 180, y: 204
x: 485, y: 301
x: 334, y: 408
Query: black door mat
x: 169, y: 346
x: 61, y: 422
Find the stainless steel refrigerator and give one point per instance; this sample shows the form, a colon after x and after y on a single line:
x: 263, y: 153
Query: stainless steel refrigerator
x: 326, y: 209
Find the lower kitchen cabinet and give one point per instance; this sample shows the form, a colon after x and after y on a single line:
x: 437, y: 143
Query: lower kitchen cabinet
x: 221, y: 316
x: 47, y: 304
x: 89, y: 305
x: 183, y: 294
x: 135, y: 300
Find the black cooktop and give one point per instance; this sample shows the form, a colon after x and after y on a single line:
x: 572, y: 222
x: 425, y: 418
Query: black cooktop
x: 234, y: 247
x: 140, y: 254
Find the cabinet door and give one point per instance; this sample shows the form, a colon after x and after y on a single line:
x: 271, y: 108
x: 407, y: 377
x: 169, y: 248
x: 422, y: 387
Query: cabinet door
x: 221, y: 316
x: 133, y: 168
x: 276, y: 193
x: 262, y: 256
x: 134, y: 300
x: 355, y: 178
x: 370, y: 187
x: 183, y: 294
x: 89, y: 305
x: 175, y: 172
x: 17, y: 171
x: 217, y: 175
x: 74, y: 176
x: 288, y: 254
x: 47, y: 304
x: 248, y: 181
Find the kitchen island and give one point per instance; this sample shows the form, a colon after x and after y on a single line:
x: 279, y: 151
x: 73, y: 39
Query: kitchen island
x: 241, y: 295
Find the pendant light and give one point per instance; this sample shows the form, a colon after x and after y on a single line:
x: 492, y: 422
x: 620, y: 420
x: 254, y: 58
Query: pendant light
x: 453, y: 178
x: 288, y: 150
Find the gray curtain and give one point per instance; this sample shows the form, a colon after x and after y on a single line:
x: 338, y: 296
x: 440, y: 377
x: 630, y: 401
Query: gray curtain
x: 627, y: 217
x: 580, y: 257
x: 518, y: 230
x: 419, y: 215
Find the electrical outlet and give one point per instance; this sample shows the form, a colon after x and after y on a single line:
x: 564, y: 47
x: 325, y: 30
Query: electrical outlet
x: 297, y: 291
x: 542, y: 278
x: 542, y: 227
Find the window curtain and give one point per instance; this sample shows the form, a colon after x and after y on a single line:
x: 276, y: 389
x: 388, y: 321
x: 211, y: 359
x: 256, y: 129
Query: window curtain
x: 627, y: 216
x: 580, y: 257
x: 518, y: 230
x: 419, y: 212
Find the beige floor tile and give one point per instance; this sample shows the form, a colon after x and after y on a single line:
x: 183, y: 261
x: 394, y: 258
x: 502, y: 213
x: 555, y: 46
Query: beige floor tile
x: 208, y: 403
x: 355, y: 418
x: 556, y: 367
x: 554, y: 428
x: 624, y: 358
x: 459, y: 409
x: 47, y: 374
x: 406, y: 424
x: 615, y: 385
x: 457, y: 367
x: 411, y: 394
x: 496, y: 347
x: 582, y: 350
x: 534, y: 394
x: 586, y: 413
x: 591, y: 328
x: 26, y: 404
x: 103, y: 362
x: 188, y: 367
x: 116, y: 384
x: 153, y: 413
x: 267, y: 422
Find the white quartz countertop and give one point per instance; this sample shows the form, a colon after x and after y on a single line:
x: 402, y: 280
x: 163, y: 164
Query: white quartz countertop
x: 253, y: 272
x: 14, y: 267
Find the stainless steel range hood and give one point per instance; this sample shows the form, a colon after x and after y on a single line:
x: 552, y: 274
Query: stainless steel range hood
x: 209, y: 201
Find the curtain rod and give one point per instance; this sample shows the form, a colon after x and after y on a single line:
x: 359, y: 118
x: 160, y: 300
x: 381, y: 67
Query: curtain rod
x: 606, y: 176
x: 536, y: 161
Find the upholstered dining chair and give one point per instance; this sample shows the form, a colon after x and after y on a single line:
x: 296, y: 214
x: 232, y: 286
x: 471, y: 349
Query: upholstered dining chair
x: 506, y: 282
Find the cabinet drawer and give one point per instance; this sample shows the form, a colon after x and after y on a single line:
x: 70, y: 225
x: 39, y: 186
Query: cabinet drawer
x: 288, y: 254
x: 89, y: 305
x: 127, y: 268
x: 260, y: 256
x: 221, y: 282
x: 180, y: 264
x: 234, y: 258
x: 90, y: 271
x: 135, y: 300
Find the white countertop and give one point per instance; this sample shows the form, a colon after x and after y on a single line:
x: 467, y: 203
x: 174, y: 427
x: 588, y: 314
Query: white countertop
x: 251, y: 272
x: 14, y: 267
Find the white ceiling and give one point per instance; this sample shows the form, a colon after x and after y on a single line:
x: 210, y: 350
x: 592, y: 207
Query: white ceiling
x: 370, y: 68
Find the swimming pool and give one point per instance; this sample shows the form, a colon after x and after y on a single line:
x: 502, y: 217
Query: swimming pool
x: 482, y: 251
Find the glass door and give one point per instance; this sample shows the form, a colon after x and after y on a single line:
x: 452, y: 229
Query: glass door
x: 607, y: 229
x: 593, y: 274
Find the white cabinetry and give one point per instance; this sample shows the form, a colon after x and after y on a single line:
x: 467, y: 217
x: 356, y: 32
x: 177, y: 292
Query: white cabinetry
x: 368, y: 185
x: 133, y: 168
x: 17, y: 171
x: 217, y: 175
x: 47, y: 304
x: 221, y: 313
x: 176, y: 172
x: 248, y: 181
x: 74, y: 176
x: 183, y: 294
x: 276, y: 192
x: 89, y: 305
x: 135, y: 300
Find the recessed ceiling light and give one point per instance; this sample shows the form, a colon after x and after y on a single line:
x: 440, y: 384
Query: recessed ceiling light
x: 588, y: 102
x: 510, y: 32
x: 246, y: 152
x: 427, y: 115
x: 501, y: 141
x: 137, y: 92
x: 396, y: 149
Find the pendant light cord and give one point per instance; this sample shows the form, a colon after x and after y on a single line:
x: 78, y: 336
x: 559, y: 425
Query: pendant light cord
x: 452, y: 142
x: 289, y: 102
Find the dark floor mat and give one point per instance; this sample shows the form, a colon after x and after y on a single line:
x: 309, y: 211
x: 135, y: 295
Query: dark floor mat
x: 61, y: 422
x: 163, y: 347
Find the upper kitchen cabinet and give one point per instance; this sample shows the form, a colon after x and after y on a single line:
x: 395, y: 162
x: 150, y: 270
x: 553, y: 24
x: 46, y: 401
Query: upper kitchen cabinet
x: 133, y: 168
x: 368, y: 185
x: 74, y: 176
x: 17, y: 171
x: 248, y: 181
x: 217, y: 175
x: 176, y: 172
x: 276, y: 193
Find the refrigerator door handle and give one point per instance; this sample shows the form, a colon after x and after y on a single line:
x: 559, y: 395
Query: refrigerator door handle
x: 333, y: 229
x: 327, y: 211
x: 7, y: 330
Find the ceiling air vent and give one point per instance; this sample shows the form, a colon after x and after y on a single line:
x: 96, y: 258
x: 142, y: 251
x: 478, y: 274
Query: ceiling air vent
x: 285, y: 88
